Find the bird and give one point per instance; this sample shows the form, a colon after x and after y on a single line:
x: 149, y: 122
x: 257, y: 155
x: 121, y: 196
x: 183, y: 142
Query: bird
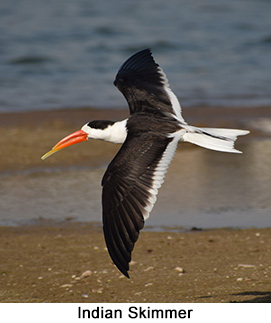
x: 149, y: 138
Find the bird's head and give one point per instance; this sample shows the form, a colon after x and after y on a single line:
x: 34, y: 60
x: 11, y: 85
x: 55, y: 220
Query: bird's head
x: 98, y: 129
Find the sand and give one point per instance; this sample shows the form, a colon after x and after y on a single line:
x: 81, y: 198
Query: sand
x: 68, y: 262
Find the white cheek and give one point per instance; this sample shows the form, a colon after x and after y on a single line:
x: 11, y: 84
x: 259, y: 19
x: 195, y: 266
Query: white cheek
x: 86, y: 128
x: 96, y: 133
x: 99, y: 134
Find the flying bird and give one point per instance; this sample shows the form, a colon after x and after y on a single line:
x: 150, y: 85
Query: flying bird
x: 149, y: 139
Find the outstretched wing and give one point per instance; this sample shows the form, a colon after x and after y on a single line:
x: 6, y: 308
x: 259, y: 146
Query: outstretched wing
x: 145, y: 86
x: 130, y: 186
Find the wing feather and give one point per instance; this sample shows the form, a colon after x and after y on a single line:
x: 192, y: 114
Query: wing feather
x: 130, y: 186
x: 145, y: 86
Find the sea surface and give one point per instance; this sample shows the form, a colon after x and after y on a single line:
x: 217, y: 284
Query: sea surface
x: 65, y: 53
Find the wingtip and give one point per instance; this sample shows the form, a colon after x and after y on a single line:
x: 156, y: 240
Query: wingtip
x: 126, y: 275
x: 148, y: 50
x: 122, y: 270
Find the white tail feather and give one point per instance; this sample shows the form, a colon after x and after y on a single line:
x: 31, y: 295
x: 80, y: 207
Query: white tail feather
x: 214, y: 138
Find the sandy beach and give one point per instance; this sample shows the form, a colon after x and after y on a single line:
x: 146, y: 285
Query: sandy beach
x: 69, y: 263
x: 50, y: 261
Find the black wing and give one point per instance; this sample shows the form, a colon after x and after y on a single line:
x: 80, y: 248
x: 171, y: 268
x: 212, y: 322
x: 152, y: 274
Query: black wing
x: 145, y: 86
x: 130, y: 186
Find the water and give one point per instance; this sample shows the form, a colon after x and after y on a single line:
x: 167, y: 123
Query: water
x: 202, y: 189
x: 65, y: 53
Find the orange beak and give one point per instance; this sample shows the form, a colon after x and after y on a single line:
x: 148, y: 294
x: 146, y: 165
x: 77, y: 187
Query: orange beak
x: 74, y: 138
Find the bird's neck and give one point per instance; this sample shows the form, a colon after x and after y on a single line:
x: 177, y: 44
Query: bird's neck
x: 116, y: 132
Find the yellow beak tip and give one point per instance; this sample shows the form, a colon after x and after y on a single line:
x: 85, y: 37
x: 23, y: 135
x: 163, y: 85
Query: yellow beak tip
x: 51, y: 152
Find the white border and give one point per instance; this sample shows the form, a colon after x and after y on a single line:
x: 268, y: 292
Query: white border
x: 211, y: 313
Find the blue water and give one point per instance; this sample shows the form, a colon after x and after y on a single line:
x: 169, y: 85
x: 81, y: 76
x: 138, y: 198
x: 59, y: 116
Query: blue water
x: 65, y: 53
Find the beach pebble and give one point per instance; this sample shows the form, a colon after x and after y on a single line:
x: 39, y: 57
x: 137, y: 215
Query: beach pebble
x: 149, y: 268
x: 179, y: 270
x: 66, y: 286
x: 246, y: 266
x: 99, y: 290
x: 138, y: 293
x: 148, y: 284
x: 121, y: 276
x: 85, y: 274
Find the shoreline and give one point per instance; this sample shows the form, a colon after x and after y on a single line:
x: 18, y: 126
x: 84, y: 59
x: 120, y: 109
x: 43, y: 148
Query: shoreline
x: 26, y: 136
x: 81, y: 115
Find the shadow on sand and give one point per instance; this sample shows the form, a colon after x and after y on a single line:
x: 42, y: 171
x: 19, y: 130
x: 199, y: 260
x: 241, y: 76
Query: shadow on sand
x: 259, y: 297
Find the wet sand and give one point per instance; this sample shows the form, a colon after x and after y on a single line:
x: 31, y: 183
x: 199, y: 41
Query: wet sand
x: 67, y: 262
x: 24, y: 137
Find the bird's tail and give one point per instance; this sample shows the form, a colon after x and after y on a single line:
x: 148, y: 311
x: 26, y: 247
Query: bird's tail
x: 214, y: 138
